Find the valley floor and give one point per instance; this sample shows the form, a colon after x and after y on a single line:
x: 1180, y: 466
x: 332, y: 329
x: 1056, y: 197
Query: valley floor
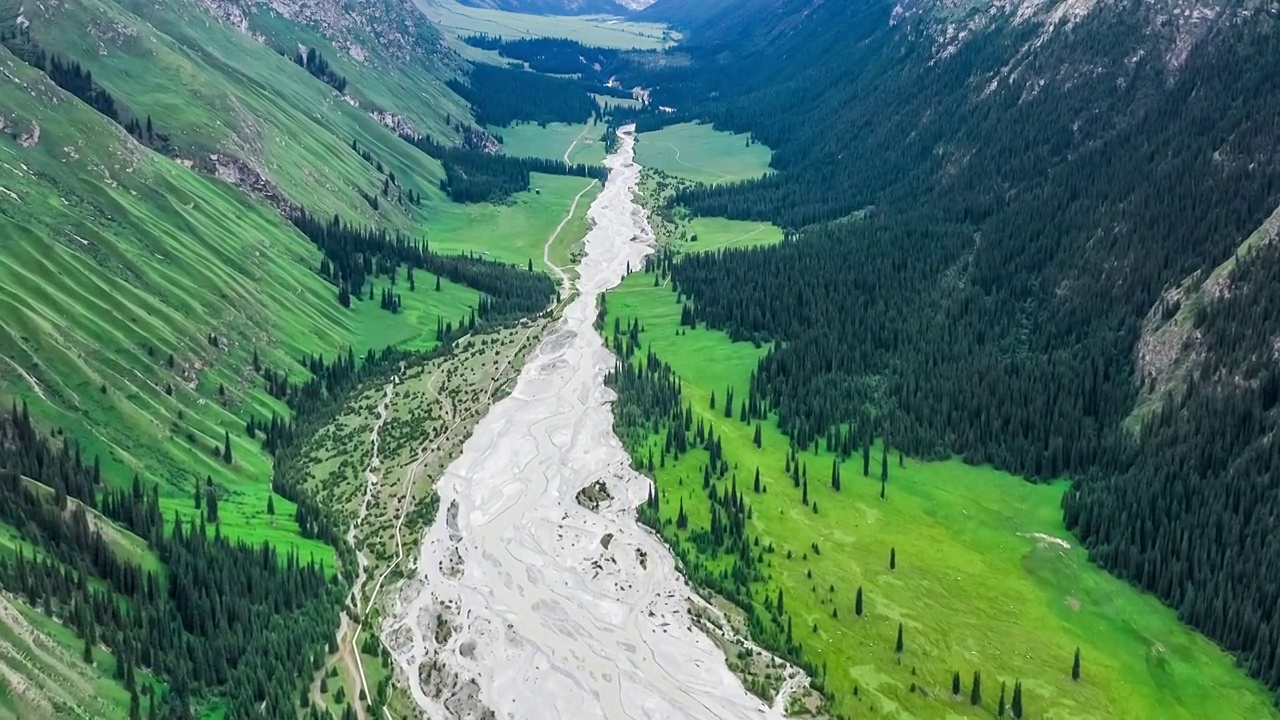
x: 974, y: 564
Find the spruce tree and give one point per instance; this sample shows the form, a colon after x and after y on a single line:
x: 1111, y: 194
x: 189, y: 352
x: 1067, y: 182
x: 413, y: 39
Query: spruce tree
x: 1001, y: 707
x: 955, y: 684
x: 226, y: 447
x: 1075, y: 666
x: 893, y: 558
x: 857, y: 603
x: 835, y: 474
x: 899, y: 646
x: 975, y: 692
x: 1016, y: 706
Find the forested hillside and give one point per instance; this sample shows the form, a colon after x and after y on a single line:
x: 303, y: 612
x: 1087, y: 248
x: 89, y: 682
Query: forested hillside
x: 993, y: 213
x: 214, y: 228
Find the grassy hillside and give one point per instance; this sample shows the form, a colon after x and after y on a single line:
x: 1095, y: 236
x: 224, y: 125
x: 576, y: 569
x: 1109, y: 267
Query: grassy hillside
x: 45, y: 673
x: 222, y: 93
x: 987, y: 578
x: 119, y: 259
x: 144, y: 291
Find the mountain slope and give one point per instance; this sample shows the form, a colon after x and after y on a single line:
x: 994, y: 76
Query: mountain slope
x: 175, y: 325
x: 993, y: 200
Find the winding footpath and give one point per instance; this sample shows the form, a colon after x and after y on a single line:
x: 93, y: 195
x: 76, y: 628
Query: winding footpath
x: 528, y: 604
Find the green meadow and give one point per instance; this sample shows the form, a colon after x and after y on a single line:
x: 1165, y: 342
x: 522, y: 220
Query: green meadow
x: 987, y: 578
x: 599, y: 31
x: 517, y: 232
x: 703, y: 154
x: 706, y: 234
x: 581, y: 142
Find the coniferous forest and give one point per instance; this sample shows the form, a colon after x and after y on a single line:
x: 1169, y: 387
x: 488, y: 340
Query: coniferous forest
x: 977, y: 283
x: 354, y: 255
x: 473, y: 175
x: 501, y: 96
x: 226, y: 618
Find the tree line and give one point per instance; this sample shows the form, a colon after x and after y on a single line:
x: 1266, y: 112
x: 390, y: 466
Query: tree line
x: 71, y: 77
x: 315, y: 63
x: 473, y: 175
x: 354, y: 255
x: 502, y: 96
x: 226, y: 618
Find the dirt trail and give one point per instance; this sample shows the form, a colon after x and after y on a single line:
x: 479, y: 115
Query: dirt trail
x: 565, y: 284
x: 348, y: 651
x: 696, y: 167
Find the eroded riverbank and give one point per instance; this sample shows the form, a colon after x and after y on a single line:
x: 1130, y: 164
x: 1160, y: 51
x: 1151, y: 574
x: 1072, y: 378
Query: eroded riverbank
x: 527, y: 605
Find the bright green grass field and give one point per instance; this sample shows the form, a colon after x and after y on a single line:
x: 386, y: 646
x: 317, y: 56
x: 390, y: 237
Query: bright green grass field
x: 599, y: 31
x: 701, y: 153
x: 715, y: 233
x: 983, y: 580
x: 517, y: 233
x: 581, y: 143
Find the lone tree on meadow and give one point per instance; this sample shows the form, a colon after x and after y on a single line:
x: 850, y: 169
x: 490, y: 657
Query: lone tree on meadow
x: 975, y: 692
x: 1075, y: 666
x: 1016, y: 705
x: 835, y: 474
x: 226, y: 447
x: 1001, y: 706
x: 857, y: 603
x: 955, y: 684
x: 893, y: 558
x: 898, y: 647
x: 271, y: 504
